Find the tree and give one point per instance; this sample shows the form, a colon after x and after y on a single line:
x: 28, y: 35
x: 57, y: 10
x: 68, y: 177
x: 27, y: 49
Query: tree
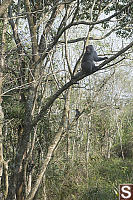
x: 37, y: 77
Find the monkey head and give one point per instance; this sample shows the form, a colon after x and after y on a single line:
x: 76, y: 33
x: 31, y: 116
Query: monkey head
x: 89, y: 48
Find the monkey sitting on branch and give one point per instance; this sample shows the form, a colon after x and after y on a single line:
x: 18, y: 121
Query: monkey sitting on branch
x: 87, y: 64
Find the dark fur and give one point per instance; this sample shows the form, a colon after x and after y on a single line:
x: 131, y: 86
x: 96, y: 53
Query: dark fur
x: 87, y: 65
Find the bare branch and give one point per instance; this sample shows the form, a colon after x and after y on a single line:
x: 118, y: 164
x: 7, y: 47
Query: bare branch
x: 116, y: 55
x: 78, y: 61
x: 100, y: 21
x: 48, y: 26
x: 51, y: 149
x: 76, y: 11
x: 76, y: 78
x: 90, y: 38
x: 74, y: 24
x: 113, y: 64
x: 66, y: 48
x: 66, y: 55
x: 32, y: 32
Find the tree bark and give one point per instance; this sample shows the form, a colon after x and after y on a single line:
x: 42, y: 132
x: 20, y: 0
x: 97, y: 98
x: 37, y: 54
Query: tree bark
x: 51, y: 150
x: 2, y: 63
x: 4, y: 6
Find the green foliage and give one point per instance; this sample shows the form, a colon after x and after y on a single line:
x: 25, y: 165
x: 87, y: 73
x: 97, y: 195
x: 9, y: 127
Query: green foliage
x: 66, y: 181
x: 74, y: 172
x: 98, y: 179
x: 126, y: 133
x: 86, y: 6
x: 124, y: 19
x: 13, y: 108
x: 106, y: 175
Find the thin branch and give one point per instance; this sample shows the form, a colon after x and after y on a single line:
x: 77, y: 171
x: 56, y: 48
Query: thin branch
x: 40, y: 60
x: 15, y: 32
x: 92, y: 113
x: 66, y: 55
x: 18, y: 87
x: 36, y: 11
x: 51, y: 150
x: 55, y: 12
x: 78, y: 61
x: 116, y: 55
x: 32, y: 31
x: 112, y: 64
x: 76, y: 11
x: 75, y: 40
x: 92, y: 8
x: 90, y: 38
x: 66, y: 46
x: 100, y: 21
x: 5, y: 163
x: 107, y: 6
x: 76, y: 78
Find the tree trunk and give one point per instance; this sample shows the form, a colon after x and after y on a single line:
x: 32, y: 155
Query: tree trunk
x: 1, y: 111
x: 51, y: 150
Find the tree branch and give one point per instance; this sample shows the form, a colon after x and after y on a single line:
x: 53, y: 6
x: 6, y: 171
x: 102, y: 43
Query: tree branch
x: 77, y: 77
x: 100, y: 21
x: 40, y: 60
x: 32, y: 32
x: 113, y: 64
x: 90, y: 38
x: 116, y: 55
x: 51, y: 150
x: 66, y: 47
